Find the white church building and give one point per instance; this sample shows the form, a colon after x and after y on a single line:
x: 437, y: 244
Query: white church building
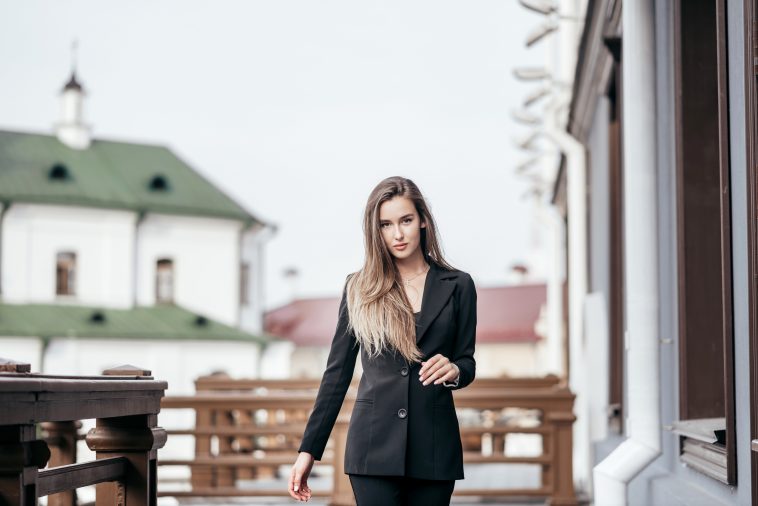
x: 117, y: 252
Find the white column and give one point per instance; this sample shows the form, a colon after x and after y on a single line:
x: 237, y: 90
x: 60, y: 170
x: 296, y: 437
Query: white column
x: 643, y: 426
x: 576, y: 203
x: 576, y: 190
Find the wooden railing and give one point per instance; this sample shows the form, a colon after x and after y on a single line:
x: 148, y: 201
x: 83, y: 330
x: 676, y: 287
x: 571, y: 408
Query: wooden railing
x: 125, y: 403
x: 246, y: 429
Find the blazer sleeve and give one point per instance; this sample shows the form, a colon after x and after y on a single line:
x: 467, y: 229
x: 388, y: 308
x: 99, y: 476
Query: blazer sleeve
x: 334, y: 384
x: 465, y: 341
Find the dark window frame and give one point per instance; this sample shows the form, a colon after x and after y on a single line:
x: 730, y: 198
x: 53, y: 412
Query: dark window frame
x: 704, y: 401
x: 65, y: 283
x: 616, y: 241
x: 750, y: 23
x: 159, y: 267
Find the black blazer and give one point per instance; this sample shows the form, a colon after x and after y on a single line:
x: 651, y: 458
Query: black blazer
x: 399, y: 427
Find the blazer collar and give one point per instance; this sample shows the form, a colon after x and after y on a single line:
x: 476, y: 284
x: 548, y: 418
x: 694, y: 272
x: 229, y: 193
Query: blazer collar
x: 437, y: 290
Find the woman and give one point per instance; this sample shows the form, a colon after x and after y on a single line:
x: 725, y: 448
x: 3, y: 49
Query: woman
x: 414, y: 318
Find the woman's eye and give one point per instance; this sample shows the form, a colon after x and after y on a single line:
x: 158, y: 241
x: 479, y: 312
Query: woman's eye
x: 408, y: 220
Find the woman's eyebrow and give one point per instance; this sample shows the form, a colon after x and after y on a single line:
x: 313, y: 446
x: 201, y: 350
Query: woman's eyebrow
x: 409, y: 215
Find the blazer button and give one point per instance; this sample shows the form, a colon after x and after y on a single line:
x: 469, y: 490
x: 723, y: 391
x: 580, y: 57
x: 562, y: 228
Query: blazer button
x: 402, y: 413
x: 404, y: 371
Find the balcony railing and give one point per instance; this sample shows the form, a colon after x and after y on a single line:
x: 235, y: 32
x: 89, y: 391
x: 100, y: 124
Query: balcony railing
x: 246, y: 429
x: 125, y: 403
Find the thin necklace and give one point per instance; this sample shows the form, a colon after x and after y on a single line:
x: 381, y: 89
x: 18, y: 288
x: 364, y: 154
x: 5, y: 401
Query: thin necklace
x: 408, y: 280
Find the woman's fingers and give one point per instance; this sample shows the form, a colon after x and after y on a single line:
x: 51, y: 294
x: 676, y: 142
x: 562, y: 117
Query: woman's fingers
x: 442, y: 374
x: 298, y: 488
x: 291, y: 484
x: 432, y: 365
x: 306, y: 491
x: 425, y: 366
x: 435, y: 368
x: 448, y: 376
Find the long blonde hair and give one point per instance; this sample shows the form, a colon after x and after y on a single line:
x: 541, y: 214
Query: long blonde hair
x: 380, y: 314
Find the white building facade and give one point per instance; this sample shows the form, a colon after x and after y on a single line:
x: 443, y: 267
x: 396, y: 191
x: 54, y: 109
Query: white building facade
x: 116, y: 226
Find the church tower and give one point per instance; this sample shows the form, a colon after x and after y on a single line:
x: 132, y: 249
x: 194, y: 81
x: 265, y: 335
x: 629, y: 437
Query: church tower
x: 71, y: 129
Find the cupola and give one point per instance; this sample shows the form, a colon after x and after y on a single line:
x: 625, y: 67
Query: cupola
x: 71, y: 129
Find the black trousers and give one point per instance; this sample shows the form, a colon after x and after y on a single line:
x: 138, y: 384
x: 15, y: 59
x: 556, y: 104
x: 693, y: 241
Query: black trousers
x: 400, y: 491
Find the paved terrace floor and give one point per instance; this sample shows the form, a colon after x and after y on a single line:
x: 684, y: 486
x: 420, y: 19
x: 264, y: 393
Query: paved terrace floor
x: 476, y: 477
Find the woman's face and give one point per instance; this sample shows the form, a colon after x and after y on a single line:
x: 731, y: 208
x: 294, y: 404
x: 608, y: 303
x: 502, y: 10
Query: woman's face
x: 400, y: 225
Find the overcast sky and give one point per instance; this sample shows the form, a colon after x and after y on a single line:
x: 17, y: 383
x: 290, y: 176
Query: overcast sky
x: 298, y: 108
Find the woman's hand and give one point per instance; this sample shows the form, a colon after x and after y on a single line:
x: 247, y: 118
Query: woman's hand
x: 301, y: 469
x: 438, y: 369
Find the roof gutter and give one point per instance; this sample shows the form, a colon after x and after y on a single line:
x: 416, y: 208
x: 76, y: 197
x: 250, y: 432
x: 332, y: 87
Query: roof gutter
x: 141, y: 214
x: 6, y: 204
x: 263, y: 232
x: 643, y: 442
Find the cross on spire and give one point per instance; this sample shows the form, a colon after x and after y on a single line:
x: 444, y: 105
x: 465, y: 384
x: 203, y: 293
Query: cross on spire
x: 72, y: 83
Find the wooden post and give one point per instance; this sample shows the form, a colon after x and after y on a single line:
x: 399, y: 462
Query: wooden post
x: 226, y: 476
x: 563, y: 474
x: 21, y: 455
x: 246, y: 445
x: 202, y: 477
x: 8, y: 365
x: 136, y: 438
x: 61, y: 439
x: 342, y: 492
x: 549, y: 469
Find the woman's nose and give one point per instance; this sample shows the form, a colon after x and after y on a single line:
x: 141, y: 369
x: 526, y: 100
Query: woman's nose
x: 398, y: 233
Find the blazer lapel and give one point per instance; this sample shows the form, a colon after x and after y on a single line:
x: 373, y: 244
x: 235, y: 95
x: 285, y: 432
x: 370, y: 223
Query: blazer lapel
x: 436, y: 293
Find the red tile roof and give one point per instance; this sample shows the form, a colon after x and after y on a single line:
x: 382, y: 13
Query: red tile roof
x: 508, y: 314
x: 505, y: 314
x: 305, y: 322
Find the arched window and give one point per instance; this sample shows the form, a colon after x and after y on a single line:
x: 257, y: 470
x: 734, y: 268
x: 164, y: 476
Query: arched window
x: 164, y: 281
x: 65, y: 273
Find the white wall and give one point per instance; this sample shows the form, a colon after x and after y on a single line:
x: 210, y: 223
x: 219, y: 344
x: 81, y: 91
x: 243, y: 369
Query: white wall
x: 178, y: 362
x: 102, y: 238
x: 513, y: 359
x: 276, y: 360
x: 252, y: 245
x: 310, y: 362
x: 205, y: 252
x: 22, y: 349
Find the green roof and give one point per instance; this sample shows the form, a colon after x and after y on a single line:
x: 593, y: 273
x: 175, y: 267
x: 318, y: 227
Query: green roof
x: 142, y: 322
x: 108, y: 174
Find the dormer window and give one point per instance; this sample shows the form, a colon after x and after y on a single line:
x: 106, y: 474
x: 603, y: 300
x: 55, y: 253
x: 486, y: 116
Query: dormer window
x: 59, y: 172
x: 164, y: 281
x: 158, y: 183
x: 65, y: 273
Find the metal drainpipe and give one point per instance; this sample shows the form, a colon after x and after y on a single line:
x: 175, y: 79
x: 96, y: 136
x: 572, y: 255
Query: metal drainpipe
x: 643, y: 442
x: 264, y: 233
x: 5, y: 206
x: 135, y: 260
x: 576, y: 192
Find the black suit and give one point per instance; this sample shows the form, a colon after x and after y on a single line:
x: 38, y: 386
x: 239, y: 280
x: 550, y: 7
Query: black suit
x: 399, y: 427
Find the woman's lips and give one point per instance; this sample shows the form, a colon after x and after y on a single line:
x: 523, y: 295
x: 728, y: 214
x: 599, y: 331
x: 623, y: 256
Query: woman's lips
x: 400, y: 246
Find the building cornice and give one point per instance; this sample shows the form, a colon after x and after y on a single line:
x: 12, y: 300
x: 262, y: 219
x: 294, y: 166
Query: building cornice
x: 600, y: 37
